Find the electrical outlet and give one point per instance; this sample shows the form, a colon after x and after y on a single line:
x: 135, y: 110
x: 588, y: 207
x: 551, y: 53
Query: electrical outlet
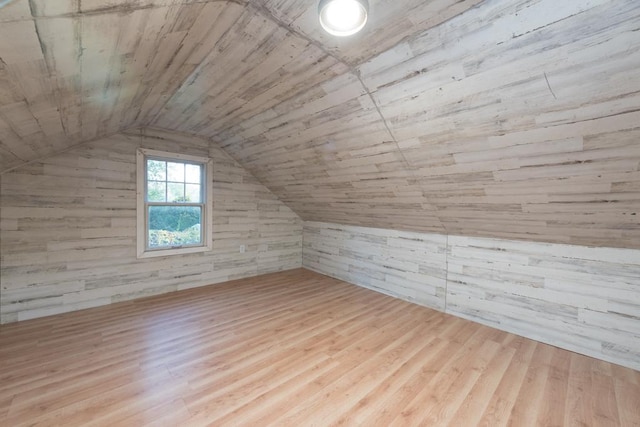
x: 242, y: 249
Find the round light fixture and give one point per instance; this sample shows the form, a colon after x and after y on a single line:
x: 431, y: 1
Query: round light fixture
x: 343, y: 17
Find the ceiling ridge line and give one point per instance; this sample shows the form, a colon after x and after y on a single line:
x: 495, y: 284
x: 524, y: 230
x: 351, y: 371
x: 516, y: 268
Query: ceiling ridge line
x: 148, y: 121
x: 69, y: 148
x: 261, y: 10
x: 412, y: 171
x: 351, y: 66
x: 353, y: 69
x: 118, y: 10
x: 266, y: 13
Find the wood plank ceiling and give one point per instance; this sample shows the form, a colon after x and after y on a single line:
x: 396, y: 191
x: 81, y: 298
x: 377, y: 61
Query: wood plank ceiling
x: 501, y: 118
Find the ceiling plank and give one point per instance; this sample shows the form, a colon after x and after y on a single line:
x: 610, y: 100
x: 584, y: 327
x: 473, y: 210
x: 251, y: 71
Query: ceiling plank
x: 507, y: 118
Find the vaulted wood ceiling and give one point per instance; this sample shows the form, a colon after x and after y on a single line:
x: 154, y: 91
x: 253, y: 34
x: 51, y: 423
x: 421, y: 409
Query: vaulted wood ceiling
x: 505, y: 118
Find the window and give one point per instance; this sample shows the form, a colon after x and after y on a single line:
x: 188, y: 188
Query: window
x: 174, y: 203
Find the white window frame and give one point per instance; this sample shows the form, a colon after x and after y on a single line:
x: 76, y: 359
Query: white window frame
x: 141, y: 210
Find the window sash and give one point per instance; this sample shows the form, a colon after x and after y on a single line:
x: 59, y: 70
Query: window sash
x: 205, y: 204
x: 203, y: 173
x: 163, y: 248
x: 148, y: 204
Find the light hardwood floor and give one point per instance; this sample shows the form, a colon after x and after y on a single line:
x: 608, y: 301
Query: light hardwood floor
x: 296, y: 349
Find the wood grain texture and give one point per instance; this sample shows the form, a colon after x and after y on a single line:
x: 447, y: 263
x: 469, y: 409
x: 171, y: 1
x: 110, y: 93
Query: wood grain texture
x: 407, y: 265
x: 68, y: 236
x: 499, y: 116
x: 295, y: 348
x: 579, y: 298
x: 73, y: 71
x: 511, y: 119
x: 516, y: 119
x: 582, y: 299
x: 327, y: 155
x: 388, y: 23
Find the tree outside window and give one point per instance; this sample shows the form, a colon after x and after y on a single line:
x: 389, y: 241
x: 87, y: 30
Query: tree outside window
x: 174, y: 201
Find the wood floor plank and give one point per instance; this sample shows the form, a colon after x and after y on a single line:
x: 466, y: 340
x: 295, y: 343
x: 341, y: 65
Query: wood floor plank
x: 530, y: 396
x: 430, y: 396
x: 480, y: 395
x: 447, y: 406
x: 499, y: 409
x: 628, y: 398
x: 579, y: 400
x: 605, y: 405
x: 290, y: 349
x: 553, y: 409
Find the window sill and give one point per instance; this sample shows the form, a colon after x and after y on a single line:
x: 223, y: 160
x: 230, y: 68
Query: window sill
x: 177, y: 251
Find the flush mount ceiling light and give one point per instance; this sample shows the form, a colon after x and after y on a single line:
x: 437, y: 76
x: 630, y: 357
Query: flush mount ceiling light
x: 343, y: 17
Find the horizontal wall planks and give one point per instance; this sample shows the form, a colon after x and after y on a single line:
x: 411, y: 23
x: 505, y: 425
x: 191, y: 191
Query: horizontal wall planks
x: 327, y: 155
x: 521, y: 120
x: 78, y: 71
x: 407, y: 265
x: 68, y: 235
x: 513, y: 119
x: 580, y: 298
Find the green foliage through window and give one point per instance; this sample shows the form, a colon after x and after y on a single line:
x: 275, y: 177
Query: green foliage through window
x: 174, y: 197
x: 173, y: 218
x: 173, y: 182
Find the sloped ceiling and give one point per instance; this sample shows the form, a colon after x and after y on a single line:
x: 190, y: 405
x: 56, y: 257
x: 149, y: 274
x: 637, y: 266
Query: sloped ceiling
x: 501, y: 118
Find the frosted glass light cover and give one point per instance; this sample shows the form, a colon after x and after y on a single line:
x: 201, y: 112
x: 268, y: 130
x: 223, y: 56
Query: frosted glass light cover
x: 343, y: 17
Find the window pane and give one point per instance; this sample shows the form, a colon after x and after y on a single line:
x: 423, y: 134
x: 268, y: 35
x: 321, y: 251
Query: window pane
x: 175, y: 192
x: 193, y: 193
x: 156, y: 170
x: 156, y: 191
x: 193, y: 173
x: 174, y: 226
x: 175, y: 172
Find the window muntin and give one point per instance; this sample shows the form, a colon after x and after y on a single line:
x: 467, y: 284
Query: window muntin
x: 174, y: 204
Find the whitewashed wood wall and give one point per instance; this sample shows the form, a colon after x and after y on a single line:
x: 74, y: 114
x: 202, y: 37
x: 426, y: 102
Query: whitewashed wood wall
x: 68, y: 238
x: 580, y: 298
x: 407, y: 265
x: 513, y: 119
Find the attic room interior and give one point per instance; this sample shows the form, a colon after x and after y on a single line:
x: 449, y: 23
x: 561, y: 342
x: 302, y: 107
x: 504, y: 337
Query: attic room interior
x: 244, y: 213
